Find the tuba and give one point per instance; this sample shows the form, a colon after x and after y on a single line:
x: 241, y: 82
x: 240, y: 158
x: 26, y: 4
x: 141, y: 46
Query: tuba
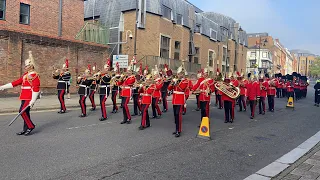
x: 228, y: 89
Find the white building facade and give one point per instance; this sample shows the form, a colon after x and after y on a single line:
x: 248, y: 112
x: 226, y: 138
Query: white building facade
x: 259, y: 60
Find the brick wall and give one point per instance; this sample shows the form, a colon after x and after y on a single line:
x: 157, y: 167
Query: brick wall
x: 44, y: 17
x: 14, y: 50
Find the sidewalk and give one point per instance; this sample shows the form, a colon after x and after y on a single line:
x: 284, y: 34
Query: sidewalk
x: 50, y: 102
x: 309, y: 169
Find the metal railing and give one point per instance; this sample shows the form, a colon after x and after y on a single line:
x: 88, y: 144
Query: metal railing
x: 94, y: 32
x: 151, y: 61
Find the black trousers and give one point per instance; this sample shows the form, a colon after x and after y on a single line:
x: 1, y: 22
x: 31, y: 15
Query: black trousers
x: 262, y: 104
x: 198, y: 101
x: 28, y: 124
x: 242, y: 102
x: 164, y: 96
x: 136, y: 107
x: 284, y: 93
x: 252, y: 107
x: 315, y: 96
x: 91, y: 97
x: 61, y: 94
x: 177, y: 111
x: 126, y: 112
x: 279, y: 93
x: 155, y: 107
x: 114, y: 100
x: 228, y: 108
x: 297, y: 94
x: 271, y: 102
x: 219, y: 100
x: 103, y: 99
x: 82, y: 102
x: 145, y: 121
x: 204, y: 107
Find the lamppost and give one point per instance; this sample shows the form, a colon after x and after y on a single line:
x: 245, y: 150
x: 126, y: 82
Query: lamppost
x: 264, y: 44
x: 227, y: 40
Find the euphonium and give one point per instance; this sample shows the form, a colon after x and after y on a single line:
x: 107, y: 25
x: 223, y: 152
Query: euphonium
x: 228, y: 89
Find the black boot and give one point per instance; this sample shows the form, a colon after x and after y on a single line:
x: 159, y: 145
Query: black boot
x: 61, y: 112
x: 93, y: 109
x: 103, y: 119
x: 141, y: 128
x: 28, y: 132
x: 21, y: 133
x: 83, y: 115
x: 123, y: 122
x: 177, y: 134
x: 198, y: 109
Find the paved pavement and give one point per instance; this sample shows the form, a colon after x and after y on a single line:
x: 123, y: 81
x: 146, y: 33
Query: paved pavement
x: 67, y: 147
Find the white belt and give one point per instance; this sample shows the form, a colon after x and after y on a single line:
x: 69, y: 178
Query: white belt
x: 104, y: 86
x: 177, y: 92
x: 63, y: 81
x: 82, y: 85
x: 26, y: 87
x: 146, y: 95
x: 125, y: 87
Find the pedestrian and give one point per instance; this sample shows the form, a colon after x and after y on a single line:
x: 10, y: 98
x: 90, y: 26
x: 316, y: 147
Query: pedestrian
x: 317, y: 93
x: 63, y: 76
x: 30, y: 89
x: 84, y: 82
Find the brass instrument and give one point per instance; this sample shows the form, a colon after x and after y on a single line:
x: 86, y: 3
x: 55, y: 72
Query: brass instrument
x: 228, y: 89
x: 262, y: 87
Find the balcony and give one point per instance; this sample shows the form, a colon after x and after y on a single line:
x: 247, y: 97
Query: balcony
x: 151, y: 61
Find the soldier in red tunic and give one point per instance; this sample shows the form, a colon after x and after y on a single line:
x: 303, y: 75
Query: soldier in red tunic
x: 264, y: 87
x: 158, y: 82
x: 273, y: 83
x: 229, y: 103
x: 290, y: 86
x: 146, y: 90
x: 178, y: 86
x: 253, y: 93
x: 206, y: 86
x: 30, y: 89
x: 242, y: 97
x: 188, y: 90
x: 126, y: 82
x: 63, y: 79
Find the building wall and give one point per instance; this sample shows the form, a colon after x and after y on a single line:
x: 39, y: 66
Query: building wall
x: 44, y: 17
x: 304, y: 67
x: 14, y: 51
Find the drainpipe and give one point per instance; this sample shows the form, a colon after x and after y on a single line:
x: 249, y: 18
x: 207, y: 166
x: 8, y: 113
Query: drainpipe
x: 60, y: 19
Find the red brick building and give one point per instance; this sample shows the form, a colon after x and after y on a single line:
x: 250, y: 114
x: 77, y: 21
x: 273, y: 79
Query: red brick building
x: 48, y: 29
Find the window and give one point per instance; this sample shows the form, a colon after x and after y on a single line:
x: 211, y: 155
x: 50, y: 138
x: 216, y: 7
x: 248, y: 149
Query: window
x: 252, y: 63
x: 142, y: 12
x: 196, y: 56
x: 165, y: 47
x: 264, y: 55
x: 198, y: 28
x: 253, y: 54
x: 224, y: 58
x: 213, y: 34
x: 2, y: 9
x: 177, y: 50
x: 211, y: 56
x: 167, y: 12
x: 264, y: 64
x: 179, y: 19
x: 24, y: 13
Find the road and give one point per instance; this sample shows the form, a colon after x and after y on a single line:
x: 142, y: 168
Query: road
x: 67, y: 147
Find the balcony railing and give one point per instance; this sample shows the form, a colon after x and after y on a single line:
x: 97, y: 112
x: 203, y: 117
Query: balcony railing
x: 151, y: 61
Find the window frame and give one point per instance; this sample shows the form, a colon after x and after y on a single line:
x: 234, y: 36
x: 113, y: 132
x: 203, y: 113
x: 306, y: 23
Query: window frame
x: 253, y: 54
x: 164, y: 48
x: 196, y: 55
x: 211, y: 54
x: 179, y: 15
x: 26, y: 5
x: 264, y: 55
x: 164, y: 14
x: 177, y: 51
x: 216, y: 37
x: 4, y: 10
x: 200, y: 28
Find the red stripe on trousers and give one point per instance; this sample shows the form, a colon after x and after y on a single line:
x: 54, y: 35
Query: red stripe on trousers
x: 126, y: 107
x: 157, y: 106
x: 82, y: 105
x: 62, y: 101
x: 103, y: 107
x: 180, y: 119
x: 144, y: 115
x: 92, y: 99
x: 25, y: 117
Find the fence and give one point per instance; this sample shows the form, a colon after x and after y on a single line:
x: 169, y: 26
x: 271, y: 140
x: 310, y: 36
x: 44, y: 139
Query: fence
x: 151, y: 61
x: 94, y: 32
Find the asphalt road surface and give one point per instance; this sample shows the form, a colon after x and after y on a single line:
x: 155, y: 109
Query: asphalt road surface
x: 68, y: 147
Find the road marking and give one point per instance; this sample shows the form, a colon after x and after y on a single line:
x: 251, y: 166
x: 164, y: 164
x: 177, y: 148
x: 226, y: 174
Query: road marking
x: 136, y: 155
x: 90, y: 125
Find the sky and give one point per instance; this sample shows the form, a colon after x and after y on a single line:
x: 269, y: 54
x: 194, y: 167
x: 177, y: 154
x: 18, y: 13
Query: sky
x: 296, y: 23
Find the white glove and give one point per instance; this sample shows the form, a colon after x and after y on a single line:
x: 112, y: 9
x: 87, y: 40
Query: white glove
x: 175, y: 80
x: 141, y: 85
x: 122, y: 75
x: 6, y: 86
x: 34, y: 98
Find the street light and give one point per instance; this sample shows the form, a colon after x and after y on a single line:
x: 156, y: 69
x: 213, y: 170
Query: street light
x: 264, y: 44
x: 227, y: 39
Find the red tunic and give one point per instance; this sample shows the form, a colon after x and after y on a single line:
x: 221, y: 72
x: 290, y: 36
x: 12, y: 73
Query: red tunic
x: 126, y: 86
x: 263, y: 91
x: 253, y: 90
x: 30, y: 82
x: 158, y: 86
x: 289, y: 87
x: 179, y: 92
x: 146, y: 94
x: 272, y: 89
x: 203, y: 86
x: 243, y: 87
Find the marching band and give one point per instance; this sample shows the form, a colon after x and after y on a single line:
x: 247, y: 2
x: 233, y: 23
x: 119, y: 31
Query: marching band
x: 146, y: 89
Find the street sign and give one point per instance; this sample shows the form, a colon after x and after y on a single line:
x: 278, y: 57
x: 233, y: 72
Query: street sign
x: 121, y: 59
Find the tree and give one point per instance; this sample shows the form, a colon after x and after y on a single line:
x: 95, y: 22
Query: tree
x: 315, y: 68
